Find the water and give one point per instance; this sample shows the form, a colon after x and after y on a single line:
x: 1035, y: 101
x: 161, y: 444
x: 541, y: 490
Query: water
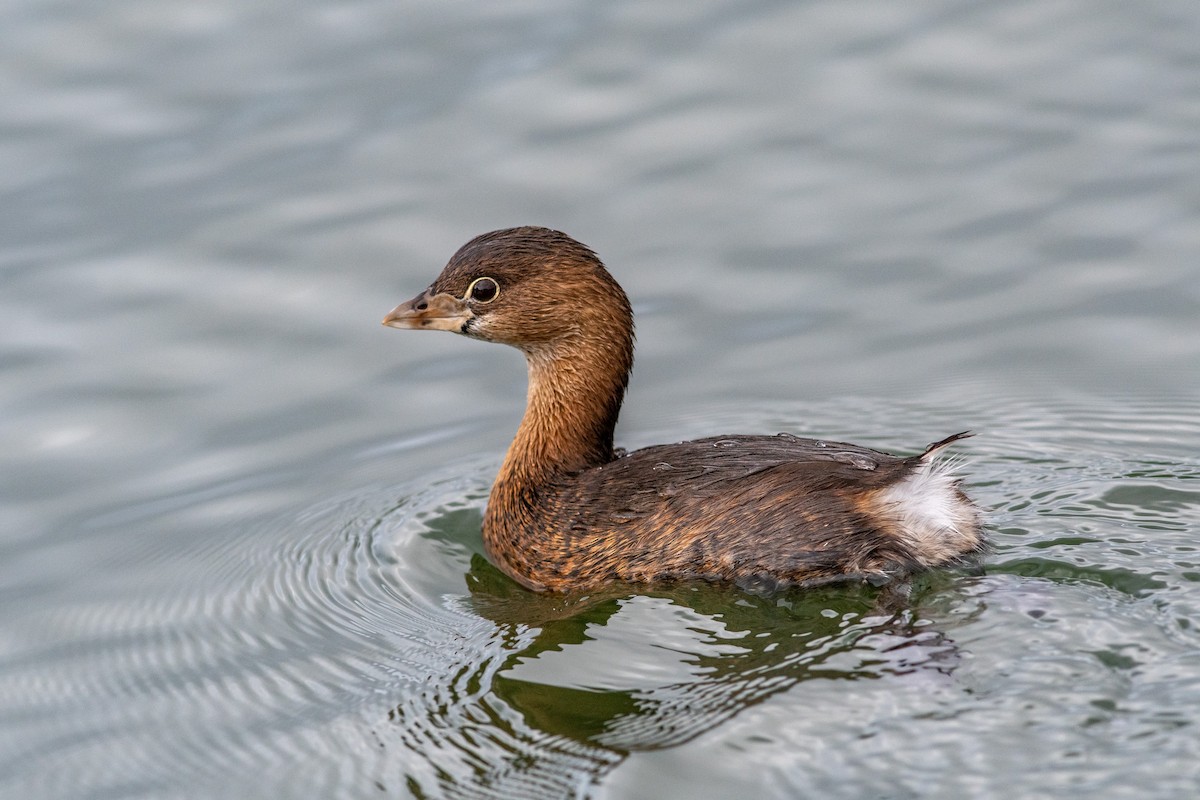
x: 239, y: 521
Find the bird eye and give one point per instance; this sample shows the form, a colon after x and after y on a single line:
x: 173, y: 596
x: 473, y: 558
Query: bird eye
x: 483, y: 290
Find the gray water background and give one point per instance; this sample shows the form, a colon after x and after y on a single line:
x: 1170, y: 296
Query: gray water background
x: 239, y: 521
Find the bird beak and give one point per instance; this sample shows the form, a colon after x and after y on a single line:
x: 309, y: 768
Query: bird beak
x: 434, y: 312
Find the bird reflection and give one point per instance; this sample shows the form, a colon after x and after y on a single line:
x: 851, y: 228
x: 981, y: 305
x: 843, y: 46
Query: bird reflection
x: 496, y: 727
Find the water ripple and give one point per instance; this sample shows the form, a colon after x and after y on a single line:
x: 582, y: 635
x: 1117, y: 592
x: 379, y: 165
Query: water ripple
x: 365, y: 641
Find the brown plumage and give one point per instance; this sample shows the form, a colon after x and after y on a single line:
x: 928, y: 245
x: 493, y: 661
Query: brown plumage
x: 567, y: 513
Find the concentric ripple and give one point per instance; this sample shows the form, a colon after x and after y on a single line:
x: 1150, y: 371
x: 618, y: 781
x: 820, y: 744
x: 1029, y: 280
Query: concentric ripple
x: 363, y: 645
x: 243, y: 661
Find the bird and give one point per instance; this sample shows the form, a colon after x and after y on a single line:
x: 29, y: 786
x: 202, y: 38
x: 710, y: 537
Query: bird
x: 570, y: 513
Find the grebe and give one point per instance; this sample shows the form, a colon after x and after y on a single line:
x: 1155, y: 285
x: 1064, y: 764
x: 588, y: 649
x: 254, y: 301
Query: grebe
x: 569, y: 513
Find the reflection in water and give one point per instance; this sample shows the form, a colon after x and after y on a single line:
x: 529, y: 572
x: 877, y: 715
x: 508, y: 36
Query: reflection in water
x: 495, y: 727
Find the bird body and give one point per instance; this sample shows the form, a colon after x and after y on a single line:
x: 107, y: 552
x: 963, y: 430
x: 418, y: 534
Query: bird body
x: 568, y: 513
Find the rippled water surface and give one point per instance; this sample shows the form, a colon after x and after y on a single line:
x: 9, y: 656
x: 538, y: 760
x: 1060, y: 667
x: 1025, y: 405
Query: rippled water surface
x: 240, y: 522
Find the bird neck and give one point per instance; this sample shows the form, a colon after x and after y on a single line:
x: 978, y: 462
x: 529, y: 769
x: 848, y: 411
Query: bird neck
x: 575, y: 394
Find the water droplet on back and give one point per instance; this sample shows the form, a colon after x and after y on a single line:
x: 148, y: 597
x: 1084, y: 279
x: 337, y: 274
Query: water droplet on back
x: 857, y: 460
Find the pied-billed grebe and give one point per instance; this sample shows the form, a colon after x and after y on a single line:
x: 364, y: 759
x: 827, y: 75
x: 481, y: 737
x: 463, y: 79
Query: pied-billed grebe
x: 567, y: 512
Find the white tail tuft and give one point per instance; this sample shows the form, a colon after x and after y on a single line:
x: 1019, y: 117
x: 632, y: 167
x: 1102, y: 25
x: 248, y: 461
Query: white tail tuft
x: 929, y: 513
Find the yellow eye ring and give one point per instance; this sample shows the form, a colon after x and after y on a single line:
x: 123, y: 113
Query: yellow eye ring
x: 482, y: 290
